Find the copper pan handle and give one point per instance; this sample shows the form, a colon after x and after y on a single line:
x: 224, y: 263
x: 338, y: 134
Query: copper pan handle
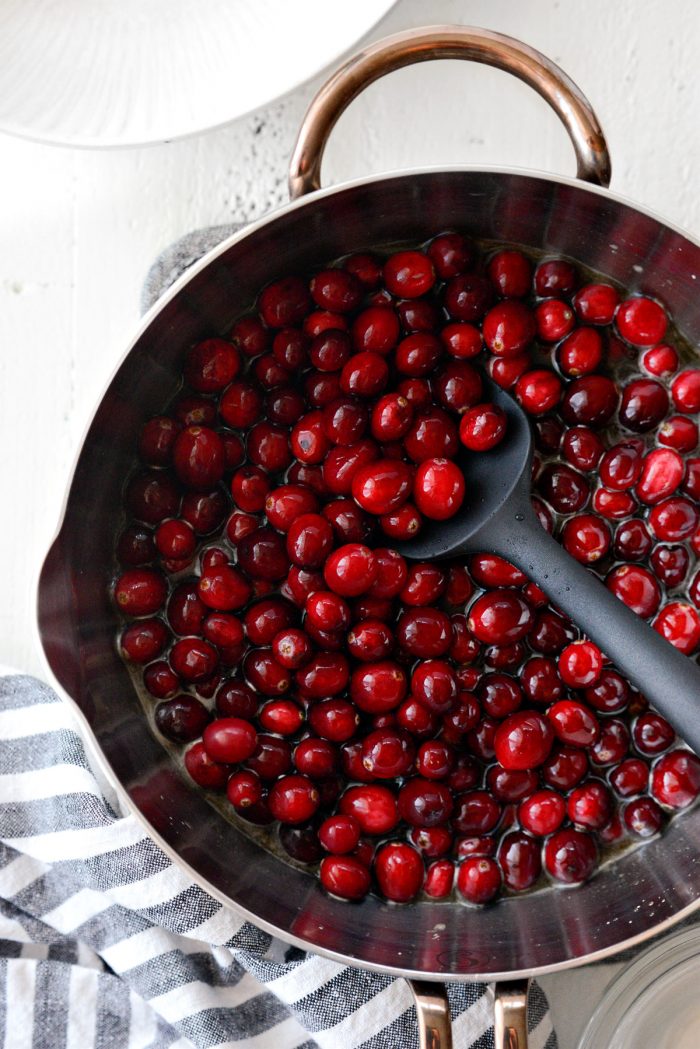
x: 422, y: 45
x: 510, y: 1029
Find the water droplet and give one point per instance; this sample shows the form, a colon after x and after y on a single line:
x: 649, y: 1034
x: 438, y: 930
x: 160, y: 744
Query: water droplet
x: 520, y: 517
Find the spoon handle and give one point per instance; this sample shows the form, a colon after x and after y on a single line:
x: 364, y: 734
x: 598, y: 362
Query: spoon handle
x: 668, y: 679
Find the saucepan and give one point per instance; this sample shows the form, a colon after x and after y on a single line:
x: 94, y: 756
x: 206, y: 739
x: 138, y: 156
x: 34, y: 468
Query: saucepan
x: 638, y: 894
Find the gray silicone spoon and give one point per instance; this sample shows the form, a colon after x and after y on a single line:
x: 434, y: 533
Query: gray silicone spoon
x: 497, y: 517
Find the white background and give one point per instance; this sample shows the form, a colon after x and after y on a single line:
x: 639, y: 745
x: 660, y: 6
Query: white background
x: 78, y: 230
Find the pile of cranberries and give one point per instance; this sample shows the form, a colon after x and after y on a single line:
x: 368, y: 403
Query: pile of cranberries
x: 407, y: 727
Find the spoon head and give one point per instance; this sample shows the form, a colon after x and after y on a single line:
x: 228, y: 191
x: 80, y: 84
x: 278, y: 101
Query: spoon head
x: 496, y: 480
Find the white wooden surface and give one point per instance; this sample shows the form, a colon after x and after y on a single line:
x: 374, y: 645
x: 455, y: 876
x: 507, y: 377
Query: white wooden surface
x: 78, y: 230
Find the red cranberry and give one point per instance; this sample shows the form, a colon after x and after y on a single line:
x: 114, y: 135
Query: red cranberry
x: 523, y: 740
x: 143, y: 641
x: 482, y: 427
x: 156, y: 440
x: 418, y: 354
x: 399, y: 871
x: 596, y: 303
x: 271, y: 758
x: 660, y: 360
x: 641, y: 321
x: 570, y: 856
x: 140, y: 592
x: 674, y: 519
x: 293, y: 799
x: 590, y: 400
x: 461, y: 340
x: 564, y: 489
x: 244, y: 789
x: 192, y: 659
x: 643, y: 817
x: 344, y: 876
x: 555, y: 277
x: 438, y: 488
x: 580, y: 353
x: 136, y: 546
x: 679, y: 623
x: 652, y: 734
x: 565, y: 767
x: 373, y: 806
x: 508, y: 328
x: 662, y: 472
x: 160, y: 681
x: 519, y: 859
x: 680, y: 433
x: 433, y: 435
x: 630, y: 777
x: 439, y: 879
x: 511, y: 273
x: 685, y: 390
x: 467, y: 297
x: 644, y: 404
x: 478, y: 879
x: 610, y: 694
x: 636, y: 587
x: 542, y: 813
x: 538, y: 391
x: 229, y: 740
x: 632, y: 541
x: 675, y: 779
x: 590, y: 805
x: 582, y: 448
x: 500, y: 617
x: 204, y: 770
x: 383, y: 485
x: 586, y: 538
x: 580, y: 664
x: 350, y: 570
x: 476, y: 812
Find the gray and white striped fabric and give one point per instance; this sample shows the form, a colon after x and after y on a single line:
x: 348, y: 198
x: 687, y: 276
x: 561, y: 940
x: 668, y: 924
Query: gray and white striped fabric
x: 104, y: 944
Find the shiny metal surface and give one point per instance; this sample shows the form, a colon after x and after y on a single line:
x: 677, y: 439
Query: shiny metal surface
x: 647, y: 888
x: 510, y: 1015
x: 433, y: 1015
x: 447, y: 41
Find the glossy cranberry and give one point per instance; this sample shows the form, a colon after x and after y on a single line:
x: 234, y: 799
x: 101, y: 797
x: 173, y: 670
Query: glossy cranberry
x: 643, y: 817
x: 330, y: 350
x: 685, y: 390
x: 644, y: 404
x: 229, y: 740
x: 433, y: 683
x: 652, y: 734
x: 630, y: 777
x: 181, y: 719
x: 143, y: 641
x: 500, y: 617
x: 554, y: 319
x: 641, y: 321
x: 156, y: 440
x: 399, y: 871
x: 235, y: 699
x: 661, y: 361
x: 596, y: 303
x: 523, y: 740
x: 505, y: 371
x: 499, y: 695
x: 674, y: 519
x: 240, y: 405
x: 564, y: 489
x: 365, y: 375
x: 550, y: 633
x: 350, y: 570
x: 409, y: 274
x: 284, y: 302
x: 462, y: 341
x: 136, y: 546
x: 542, y: 813
x: 264, y: 673
x: 185, y: 610
x: 621, y: 466
x: 510, y: 785
x: 580, y: 353
x: 580, y: 664
x: 573, y: 723
x: 555, y: 277
x: 140, y: 592
x: 680, y: 433
x: 511, y: 274
x: 586, y: 537
x: 467, y: 297
x: 439, y: 879
x: 433, y: 434
x: 326, y: 674
x: 250, y: 487
x: 519, y: 860
x: 570, y: 856
x: 478, y: 879
x: 376, y: 330
x: 582, y: 448
x: 376, y: 688
x: 670, y: 564
x: 662, y: 473
x: 244, y: 789
x: 679, y: 623
x: 383, y: 485
x: 402, y: 524
x: 192, y: 659
x: 590, y: 400
x: 482, y: 427
x: 540, y: 680
x: 327, y: 611
x: 211, y: 365
x: 637, y: 587
x: 632, y: 541
x: 204, y: 770
x: 675, y: 779
x: 293, y: 799
x: 418, y: 354
x: 334, y: 720
x: 373, y: 806
x: 565, y: 767
x: 590, y: 805
x: 508, y: 328
x: 424, y: 632
x: 610, y: 694
x: 250, y: 335
x: 271, y: 758
x: 344, y: 876
x: 224, y: 589
x: 160, y: 680
x: 438, y: 488
x: 613, y: 505
x: 195, y: 411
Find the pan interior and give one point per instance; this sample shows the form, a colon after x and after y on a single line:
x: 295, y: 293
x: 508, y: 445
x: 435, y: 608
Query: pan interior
x: 646, y: 887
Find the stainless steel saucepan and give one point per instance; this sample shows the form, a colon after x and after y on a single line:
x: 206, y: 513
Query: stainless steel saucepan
x: 643, y: 891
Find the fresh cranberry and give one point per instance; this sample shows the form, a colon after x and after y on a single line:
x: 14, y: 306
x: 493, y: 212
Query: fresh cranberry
x: 160, y: 680
x: 680, y: 433
x: 643, y: 817
x: 590, y: 400
x: 316, y: 758
x: 523, y: 740
x: 636, y: 587
x: 542, y: 813
x: 580, y: 353
x: 630, y: 777
x: 500, y: 617
x: 565, y: 767
x: 505, y: 371
x: 334, y: 720
x: 461, y: 340
x: 143, y: 641
x: 644, y: 404
x: 271, y: 758
x: 140, y: 592
x: 508, y: 328
x: 661, y: 361
x: 596, y: 303
x: 482, y: 427
x: 685, y: 390
x: 538, y: 391
x: 555, y: 277
x: 674, y: 519
x: 192, y: 659
x: 519, y: 859
x: 229, y: 740
x: 679, y: 623
x: 433, y: 435
x: 570, y: 856
x: 478, y: 879
x: 244, y: 789
x: 641, y: 321
x: 206, y: 772
x: 554, y: 320
x: 467, y: 297
x: 632, y: 541
x: 344, y: 876
x: 675, y: 779
x: 662, y: 473
x: 438, y: 488
x: 652, y: 734
x: 373, y: 806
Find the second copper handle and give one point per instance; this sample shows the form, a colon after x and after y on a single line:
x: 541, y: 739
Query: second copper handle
x: 465, y: 42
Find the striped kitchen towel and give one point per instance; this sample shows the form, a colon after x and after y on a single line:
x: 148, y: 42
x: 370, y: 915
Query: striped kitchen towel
x: 104, y: 944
